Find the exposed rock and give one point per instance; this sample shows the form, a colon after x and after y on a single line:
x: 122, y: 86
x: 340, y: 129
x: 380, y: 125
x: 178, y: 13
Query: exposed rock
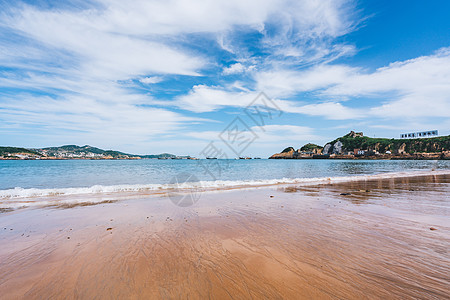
x: 326, y: 149
x: 337, y: 147
x: 401, y: 150
x: 285, y: 155
x: 288, y: 149
x: 355, y: 134
x: 312, y: 148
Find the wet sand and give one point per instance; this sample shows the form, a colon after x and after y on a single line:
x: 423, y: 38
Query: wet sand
x: 358, y: 240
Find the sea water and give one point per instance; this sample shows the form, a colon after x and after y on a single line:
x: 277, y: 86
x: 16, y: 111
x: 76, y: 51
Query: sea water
x: 21, y: 175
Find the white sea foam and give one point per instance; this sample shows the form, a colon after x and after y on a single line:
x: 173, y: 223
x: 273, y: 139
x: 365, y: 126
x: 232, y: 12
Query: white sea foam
x: 19, y: 197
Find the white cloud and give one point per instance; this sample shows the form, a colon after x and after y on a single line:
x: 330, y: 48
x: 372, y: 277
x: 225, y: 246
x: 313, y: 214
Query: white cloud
x: 327, y: 18
x: 204, y: 98
x: 151, y: 80
x: 113, y: 40
x: 92, y: 121
x: 414, y: 88
x: 330, y: 110
x: 109, y: 40
x: 234, y: 69
x: 282, y: 83
x: 68, y: 55
x: 99, y: 53
x: 403, y: 76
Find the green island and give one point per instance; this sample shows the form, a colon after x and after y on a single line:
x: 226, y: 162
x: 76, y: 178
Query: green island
x: 355, y: 145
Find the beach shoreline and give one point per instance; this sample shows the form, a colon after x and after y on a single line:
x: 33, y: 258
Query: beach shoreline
x: 379, y: 238
x: 22, y: 198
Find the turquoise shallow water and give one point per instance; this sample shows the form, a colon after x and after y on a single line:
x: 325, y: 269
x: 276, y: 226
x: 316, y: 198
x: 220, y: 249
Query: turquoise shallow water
x: 86, y: 173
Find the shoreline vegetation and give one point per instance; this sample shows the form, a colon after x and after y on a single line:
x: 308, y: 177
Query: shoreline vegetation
x: 355, y: 145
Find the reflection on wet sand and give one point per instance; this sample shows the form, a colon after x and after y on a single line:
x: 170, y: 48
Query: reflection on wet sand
x: 312, y: 242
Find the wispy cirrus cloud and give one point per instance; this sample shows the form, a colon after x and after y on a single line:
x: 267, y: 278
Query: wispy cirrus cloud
x: 107, y: 40
x: 111, y: 38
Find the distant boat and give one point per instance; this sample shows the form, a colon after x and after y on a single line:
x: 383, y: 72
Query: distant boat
x: 257, y: 158
x: 211, y: 158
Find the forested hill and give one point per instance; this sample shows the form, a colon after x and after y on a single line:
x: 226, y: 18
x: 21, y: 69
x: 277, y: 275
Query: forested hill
x: 354, y: 140
x: 356, y: 145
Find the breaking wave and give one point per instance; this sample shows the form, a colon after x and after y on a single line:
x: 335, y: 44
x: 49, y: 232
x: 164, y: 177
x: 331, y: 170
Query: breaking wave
x: 21, y: 197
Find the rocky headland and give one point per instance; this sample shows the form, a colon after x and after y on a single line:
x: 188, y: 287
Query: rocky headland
x: 355, y: 145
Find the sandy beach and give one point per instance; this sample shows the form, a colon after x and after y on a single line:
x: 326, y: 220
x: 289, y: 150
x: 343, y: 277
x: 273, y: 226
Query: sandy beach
x: 386, y: 238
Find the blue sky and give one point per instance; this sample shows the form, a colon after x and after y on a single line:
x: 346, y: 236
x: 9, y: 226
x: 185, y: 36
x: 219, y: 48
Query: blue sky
x: 169, y: 76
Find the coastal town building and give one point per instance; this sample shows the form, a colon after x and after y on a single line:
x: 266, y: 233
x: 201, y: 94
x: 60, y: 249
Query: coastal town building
x: 359, y: 152
x: 422, y: 134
